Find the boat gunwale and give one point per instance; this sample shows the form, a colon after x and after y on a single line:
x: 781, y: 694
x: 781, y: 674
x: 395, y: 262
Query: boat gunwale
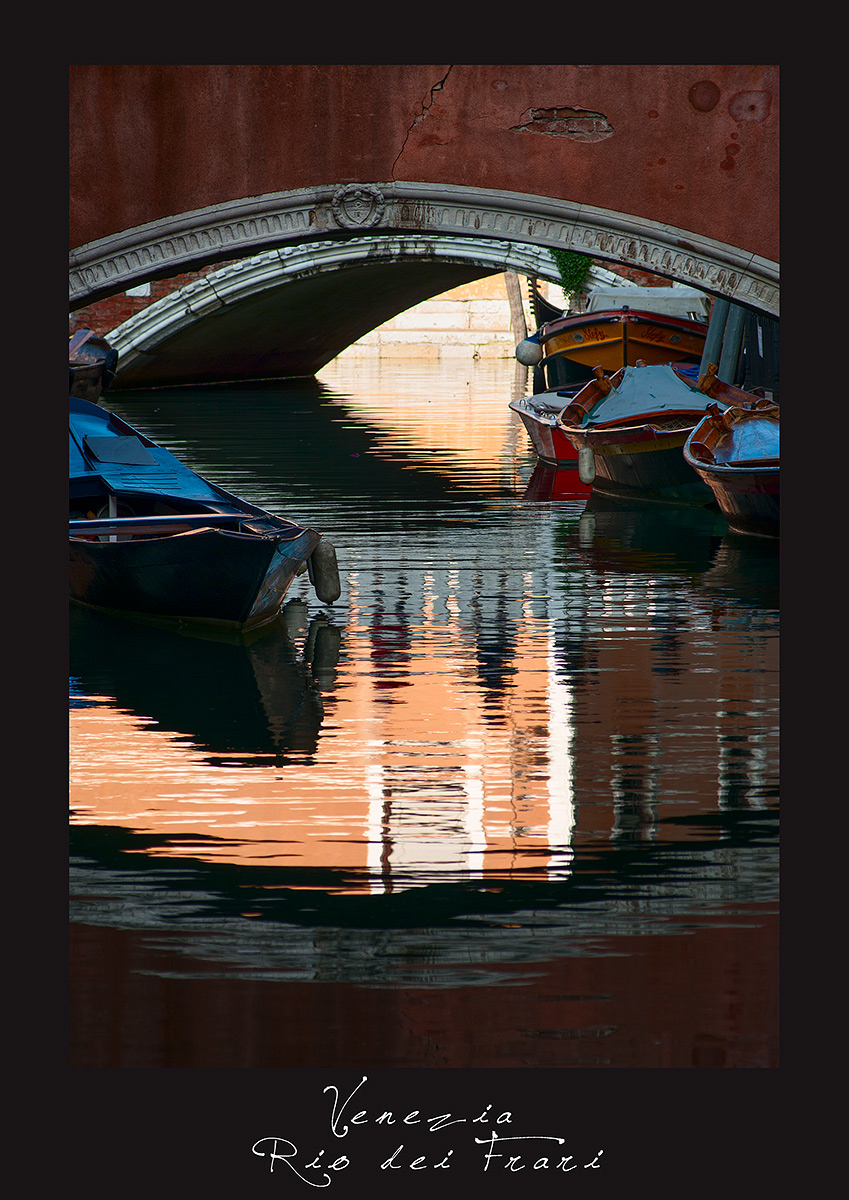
x: 659, y: 422
x: 717, y: 429
x: 618, y: 316
x: 253, y: 535
x: 731, y: 471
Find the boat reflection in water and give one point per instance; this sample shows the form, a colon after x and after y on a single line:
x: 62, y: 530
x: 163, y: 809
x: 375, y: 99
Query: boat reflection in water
x: 548, y: 482
x: 619, y: 534
x: 745, y: 569
x: 630, y: 534
x: 244, y: 698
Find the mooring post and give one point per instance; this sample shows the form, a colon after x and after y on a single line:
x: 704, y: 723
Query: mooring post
x: 716, y: 329
x: 731, y: 343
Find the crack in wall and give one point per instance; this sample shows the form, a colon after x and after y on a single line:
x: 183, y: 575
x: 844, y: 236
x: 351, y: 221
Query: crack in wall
x: 426, y: 107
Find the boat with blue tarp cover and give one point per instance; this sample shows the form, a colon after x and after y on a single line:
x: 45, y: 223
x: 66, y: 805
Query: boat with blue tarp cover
x: 151, y: 538
x: 539, y: 413
x: 736, y: 452
x: 629, y: 430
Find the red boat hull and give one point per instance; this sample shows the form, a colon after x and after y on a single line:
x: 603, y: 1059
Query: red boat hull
x: 736, y: 454
x: 644, y: 461
x: 749, y: 500
x: 547, y: 439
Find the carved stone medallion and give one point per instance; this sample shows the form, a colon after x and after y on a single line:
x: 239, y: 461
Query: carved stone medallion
x: 358, y: 207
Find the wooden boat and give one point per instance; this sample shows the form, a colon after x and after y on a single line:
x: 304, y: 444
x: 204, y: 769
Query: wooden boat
x: 539, y: 415
x: 151, y: 538
x: 619, y: 327
x: 92, y: 364
x: 566, y: 350
x: 735, y: 451
x: 629, y: 430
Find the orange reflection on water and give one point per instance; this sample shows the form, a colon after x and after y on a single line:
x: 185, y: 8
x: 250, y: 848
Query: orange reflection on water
x: 419, y: 775
x: 463, y: 424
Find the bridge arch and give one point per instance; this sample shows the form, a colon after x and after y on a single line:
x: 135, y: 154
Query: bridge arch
x: 249, y: 226
x: 256, y: 317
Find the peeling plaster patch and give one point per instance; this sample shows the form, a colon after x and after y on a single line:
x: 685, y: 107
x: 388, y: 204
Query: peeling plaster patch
x: 575, y: 123
x: 750, y: 106
x: 704, y: 95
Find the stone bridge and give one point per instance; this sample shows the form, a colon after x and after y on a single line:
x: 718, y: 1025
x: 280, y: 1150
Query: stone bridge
x: 351, y: 193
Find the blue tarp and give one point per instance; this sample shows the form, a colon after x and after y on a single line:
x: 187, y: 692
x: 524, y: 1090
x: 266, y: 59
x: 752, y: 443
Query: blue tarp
x: 146, y: 467
x: 650, y: 390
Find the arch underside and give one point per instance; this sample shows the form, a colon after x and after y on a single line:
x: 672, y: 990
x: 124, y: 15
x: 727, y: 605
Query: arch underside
x: 337, y: 274
x: 290, y: 311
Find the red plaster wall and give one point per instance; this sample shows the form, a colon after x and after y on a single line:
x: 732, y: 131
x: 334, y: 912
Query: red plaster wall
x: 104, y: 315
x: 692, y: 146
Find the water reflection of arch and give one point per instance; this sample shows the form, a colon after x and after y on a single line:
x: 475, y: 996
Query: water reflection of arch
x: 326, y: 924
x: 294, y: 434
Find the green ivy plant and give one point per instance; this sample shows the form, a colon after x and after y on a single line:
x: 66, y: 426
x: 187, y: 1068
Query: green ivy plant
x: 573, y: 269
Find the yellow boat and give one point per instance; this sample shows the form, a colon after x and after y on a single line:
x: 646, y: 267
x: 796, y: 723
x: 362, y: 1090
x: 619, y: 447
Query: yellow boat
x: 617, y: 339
x: 620, y: 327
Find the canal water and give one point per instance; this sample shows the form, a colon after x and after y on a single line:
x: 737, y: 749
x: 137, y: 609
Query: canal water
x: 510, y: 802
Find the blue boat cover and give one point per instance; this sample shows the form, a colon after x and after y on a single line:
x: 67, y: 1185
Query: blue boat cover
x: 101, y: 447
x: 751, y: 440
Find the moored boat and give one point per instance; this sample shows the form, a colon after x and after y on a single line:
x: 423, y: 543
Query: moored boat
x: 619, y: 327
x: 735, y: 452
x: 629, y: 430
x: 150, y: 538
x: 539, y: 415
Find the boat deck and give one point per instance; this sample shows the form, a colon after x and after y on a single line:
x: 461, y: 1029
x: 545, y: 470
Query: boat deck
x: 748, y: 443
